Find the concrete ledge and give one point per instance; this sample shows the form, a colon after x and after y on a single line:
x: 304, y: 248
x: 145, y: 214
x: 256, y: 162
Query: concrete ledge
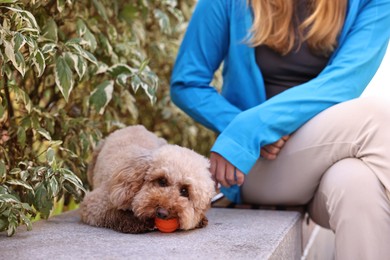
x: 231, y: 234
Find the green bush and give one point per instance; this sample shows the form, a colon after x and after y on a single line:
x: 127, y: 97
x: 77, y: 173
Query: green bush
x: 72, y: 72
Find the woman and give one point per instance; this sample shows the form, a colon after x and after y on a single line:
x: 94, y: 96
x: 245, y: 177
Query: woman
x: 292, y: 130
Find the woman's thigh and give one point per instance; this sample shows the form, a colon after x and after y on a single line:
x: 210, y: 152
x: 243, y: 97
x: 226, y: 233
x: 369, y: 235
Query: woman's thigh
x: 354, y: 129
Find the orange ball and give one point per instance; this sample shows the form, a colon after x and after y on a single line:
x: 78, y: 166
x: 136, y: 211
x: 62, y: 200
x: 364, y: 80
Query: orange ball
x: 166, y: 225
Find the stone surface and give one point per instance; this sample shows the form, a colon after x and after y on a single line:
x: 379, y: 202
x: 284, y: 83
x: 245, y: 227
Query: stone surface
x: 231, y: 234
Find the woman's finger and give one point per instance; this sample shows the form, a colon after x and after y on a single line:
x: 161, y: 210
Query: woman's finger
x: 230, y: 174
x: 221, y: 171
x: 240, y: 177
x: 267, y: 155
x: 213, y: 165
x: 272, y: 149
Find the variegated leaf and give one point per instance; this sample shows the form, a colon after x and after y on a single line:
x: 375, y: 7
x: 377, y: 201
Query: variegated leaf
x: 49, y: 48
x: 16, y: 58
x: 86, y: 35
x: 60, y: 5
x: 102, y: 95
x: 63, y: 77
x: 22, y: 95
x: 44, y: 133
x: 100, y: 9
x: 27, y: 16
x: 19, y: 41
x: 118, y: 69
x: 85, y: 54
x: 19, y: 183
x: 39, y: 62
x: 50, y: 156
x: 79, y: 64
x: 163, y: 21
x: 50, y: 31
x: 8, y: 1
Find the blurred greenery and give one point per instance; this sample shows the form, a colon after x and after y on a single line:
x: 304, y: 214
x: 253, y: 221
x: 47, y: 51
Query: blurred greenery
x: 70, y: 73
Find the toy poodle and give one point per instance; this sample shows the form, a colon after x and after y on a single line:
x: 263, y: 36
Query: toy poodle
x: 137, y: 177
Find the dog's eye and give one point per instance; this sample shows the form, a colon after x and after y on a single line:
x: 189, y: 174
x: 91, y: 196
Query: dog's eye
x: 184, y: 192
x: 162, y: 182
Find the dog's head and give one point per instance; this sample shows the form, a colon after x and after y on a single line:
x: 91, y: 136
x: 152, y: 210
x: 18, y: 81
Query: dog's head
x: 171, y: 182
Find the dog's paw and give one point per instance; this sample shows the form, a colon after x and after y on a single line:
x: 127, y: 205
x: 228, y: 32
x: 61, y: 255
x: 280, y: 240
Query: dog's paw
x: 124, y: 221
x: 203, y: 223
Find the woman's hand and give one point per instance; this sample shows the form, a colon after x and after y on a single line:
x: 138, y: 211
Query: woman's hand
x: 224, y: 172
x: 271, y: 151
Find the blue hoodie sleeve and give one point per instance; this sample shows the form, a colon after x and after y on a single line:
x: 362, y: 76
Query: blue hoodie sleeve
x: 351, y: 68
x: 201, y: 53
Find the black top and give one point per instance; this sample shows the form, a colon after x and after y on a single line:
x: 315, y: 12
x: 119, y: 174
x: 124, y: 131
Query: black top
x: 281, y: 72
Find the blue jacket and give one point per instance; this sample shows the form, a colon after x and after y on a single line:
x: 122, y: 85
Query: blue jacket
x: 240, y: 113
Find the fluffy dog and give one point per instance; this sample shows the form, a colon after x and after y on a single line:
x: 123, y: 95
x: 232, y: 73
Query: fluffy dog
x: 137, y: 177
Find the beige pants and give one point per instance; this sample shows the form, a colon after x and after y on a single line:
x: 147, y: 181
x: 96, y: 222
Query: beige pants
x: 338, y: 164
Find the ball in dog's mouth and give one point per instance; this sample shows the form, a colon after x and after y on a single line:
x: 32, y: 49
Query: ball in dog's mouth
x: 166, y: 225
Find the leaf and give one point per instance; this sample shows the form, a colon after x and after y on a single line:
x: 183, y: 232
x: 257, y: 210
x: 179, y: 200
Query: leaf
x: 21, y: 94
x: 60, y: 5
x: 148, y: 83
x: 106, y: 44
x: 44, y: 133
x: 86, y: 35
x: 79, y: 50
x: 54, y: 186
x: 137, y: 82
x: 163, y: 21
x: 21, y: 136
x: 3, y: 170
x: 49, y: 48
x: 118, y: 69
x: 63, y: 77
x: 1, y: 111
x: 26, y: 221
x: 11, y: 228
x: 100, y: 9
x: 19, y: 183
x: 8, y: 1
x: 72, y: 178
x: 55, y: 143
x: 143, y: 65
x: 20, y: 63
x: 3, y: 221
x: 178, y: 14
x: 19, y: 41
x: 43, y: 202
x: 39, y: 62
x: 50, y: 156
x: 102, y: 95
x: 8, y: 198
x: 16, y: 58
x: 78, y: 64
x: 29, y: 17
x: 50, y: 31
x: 102, y: 68
x: 129, y: 102
x: 122, y: 72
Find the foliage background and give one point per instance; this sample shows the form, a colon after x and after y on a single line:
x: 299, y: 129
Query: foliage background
x: 70, y: 73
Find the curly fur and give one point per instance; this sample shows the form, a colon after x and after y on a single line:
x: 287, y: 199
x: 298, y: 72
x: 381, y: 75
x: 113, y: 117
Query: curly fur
x: 135, y: 175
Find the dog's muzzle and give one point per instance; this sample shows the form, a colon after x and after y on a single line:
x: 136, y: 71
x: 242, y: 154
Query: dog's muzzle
x: 162, y: 213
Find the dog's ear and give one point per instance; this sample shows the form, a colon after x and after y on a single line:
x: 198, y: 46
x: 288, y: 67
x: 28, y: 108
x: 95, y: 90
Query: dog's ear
x: 127, y: 181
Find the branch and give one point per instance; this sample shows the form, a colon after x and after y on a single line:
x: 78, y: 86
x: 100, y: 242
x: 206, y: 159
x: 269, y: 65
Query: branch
x: 8, y: 97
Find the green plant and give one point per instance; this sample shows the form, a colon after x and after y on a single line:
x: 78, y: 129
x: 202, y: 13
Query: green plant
x: 70, y: 73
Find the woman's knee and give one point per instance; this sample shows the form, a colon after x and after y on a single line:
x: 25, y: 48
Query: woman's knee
x: 352, y: 190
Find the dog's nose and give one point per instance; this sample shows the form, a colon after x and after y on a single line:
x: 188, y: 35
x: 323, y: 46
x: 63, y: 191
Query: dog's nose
x: 162, y: 213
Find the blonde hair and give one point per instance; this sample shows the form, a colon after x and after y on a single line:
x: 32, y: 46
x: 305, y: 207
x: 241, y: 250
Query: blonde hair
x: 273, y: 25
